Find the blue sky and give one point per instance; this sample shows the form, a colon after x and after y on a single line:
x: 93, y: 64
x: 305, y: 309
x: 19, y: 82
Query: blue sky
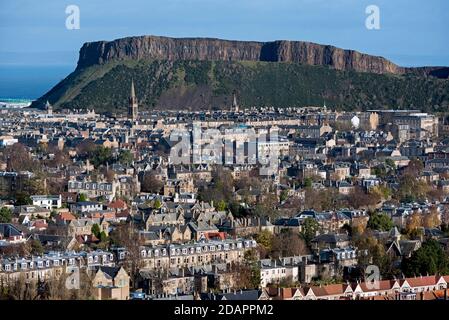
x: 413, y: 32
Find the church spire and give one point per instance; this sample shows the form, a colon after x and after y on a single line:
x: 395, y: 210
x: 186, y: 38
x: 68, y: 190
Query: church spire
x: 235, y: 105
x: 132, y: 104
x: 133, y: 93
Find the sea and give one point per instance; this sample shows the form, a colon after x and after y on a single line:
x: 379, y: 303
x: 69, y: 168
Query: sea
x: 20, y: 84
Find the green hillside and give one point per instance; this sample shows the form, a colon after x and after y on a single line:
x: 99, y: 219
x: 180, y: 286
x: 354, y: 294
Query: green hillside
x: 206, y: 84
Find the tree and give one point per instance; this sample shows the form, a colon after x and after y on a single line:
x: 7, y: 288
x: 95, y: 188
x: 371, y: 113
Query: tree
x: 23, y: 199
x: 283, y: 196
x: 96, y: 230
x: 267, y: 207
x: 221, y: 205
x: 150, y: 184
x: 415, y: 168
x: 429, y: 259
x: 157, y: 204
x: 359, y: 198
x: 309, y: 229
x: 18, y: 158
x: 125, y: 157
x: 5, y: 215
x: 288, y: 244
x: 432, y: 219
x: 414, y: 223
x: 370, y: 249
x: 103, y: 237
x: 390, y: 163
x: 128, y: 237
x: 411, y: 188
x: 380, y: 221
x: 36, y: 247
x: 82, y: 197
x: 265, y: 241
x: 308, y: 182
x: 248, y: 273
x: 100, y: 156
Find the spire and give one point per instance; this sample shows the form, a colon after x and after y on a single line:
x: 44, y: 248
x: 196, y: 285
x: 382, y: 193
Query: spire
x: 133, y: 93
x: 132, y: 104
x: 235, y: 105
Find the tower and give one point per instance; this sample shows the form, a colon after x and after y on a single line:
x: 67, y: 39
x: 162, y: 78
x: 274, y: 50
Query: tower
x: 132, y: 104
x: 235, y: 106
x: 49, y: 108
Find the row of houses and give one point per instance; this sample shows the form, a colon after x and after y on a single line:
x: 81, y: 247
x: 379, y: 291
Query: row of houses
x: 397, y: 289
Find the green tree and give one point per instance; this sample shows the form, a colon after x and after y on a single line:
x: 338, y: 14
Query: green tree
x: 308, y: 182
x: 100, y: 156
x: 283, y: 196
x: 36, y: 247
x: 103, y: 237
x: 5, y: 215
x: 380, y: 221
x: 265, y: 240
x: 429, y: 259
x: 96, y: 230
x: 309, y: 229
x: 157, y: 204
x: 23, y: 199
x: 390, y: 163
x: 221, y: 205
x: 82, y: 197
x: 125, y: 157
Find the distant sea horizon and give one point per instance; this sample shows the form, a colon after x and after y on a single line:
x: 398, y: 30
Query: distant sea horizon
x: 29, y: 82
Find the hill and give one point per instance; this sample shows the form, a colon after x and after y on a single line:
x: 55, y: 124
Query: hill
x: 203, y: 73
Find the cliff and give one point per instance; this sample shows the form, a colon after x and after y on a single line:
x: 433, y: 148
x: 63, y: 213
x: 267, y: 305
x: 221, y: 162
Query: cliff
x: 205, y: 49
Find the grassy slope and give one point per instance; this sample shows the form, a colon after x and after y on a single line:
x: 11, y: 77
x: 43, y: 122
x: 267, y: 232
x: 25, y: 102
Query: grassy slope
x: 106, y: 87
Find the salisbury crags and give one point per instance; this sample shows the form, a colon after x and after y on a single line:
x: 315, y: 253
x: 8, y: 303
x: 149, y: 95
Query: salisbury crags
x: 206, y: 49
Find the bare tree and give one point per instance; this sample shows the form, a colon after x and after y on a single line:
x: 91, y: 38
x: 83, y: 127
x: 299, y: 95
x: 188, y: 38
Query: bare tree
x: 128, y: 237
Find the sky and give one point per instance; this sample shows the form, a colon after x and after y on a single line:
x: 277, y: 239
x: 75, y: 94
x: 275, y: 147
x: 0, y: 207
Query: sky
x: 33, y: 34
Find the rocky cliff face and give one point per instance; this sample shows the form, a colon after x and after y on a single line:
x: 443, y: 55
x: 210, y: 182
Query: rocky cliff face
x: 163, y: 48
